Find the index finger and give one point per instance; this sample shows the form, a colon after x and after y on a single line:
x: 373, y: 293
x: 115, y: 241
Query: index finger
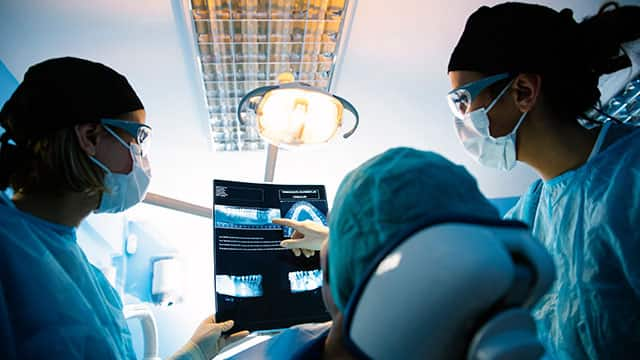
x: 287, y: 222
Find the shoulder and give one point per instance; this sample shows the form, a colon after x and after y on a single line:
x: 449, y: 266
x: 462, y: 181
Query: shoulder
x: 111, y: 295
x: 526, y: 206
x: 14, y: 232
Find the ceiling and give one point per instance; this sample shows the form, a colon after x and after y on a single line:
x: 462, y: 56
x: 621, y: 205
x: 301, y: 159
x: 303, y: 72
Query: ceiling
x: 393, y: 69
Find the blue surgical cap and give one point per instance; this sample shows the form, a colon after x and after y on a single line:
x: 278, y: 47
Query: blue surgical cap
x: 388, y: 195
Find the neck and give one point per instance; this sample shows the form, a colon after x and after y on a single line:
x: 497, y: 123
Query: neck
x: 555, y: 146
x: 66, y: 209
x: 333, y: 346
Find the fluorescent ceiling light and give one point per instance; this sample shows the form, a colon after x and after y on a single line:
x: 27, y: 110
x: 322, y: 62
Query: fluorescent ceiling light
x: 246, y: 44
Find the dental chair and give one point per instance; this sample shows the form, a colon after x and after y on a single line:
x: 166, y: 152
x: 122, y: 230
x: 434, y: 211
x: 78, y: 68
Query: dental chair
x: 451, y: 289
x: 143, y: 313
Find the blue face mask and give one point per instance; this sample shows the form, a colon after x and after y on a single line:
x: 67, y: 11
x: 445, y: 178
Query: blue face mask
x: 124, y: 190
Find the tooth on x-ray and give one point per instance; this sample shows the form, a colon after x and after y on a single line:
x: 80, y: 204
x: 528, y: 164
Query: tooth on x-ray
x: 239, y: 286
x: 234, y: 217
x: 300, y: 281
x: 303, y: 210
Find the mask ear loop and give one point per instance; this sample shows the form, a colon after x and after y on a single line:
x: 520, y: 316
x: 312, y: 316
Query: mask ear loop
x: 134, y: 150
x: 495, y: 101
x: 99, y: 164
x: 122, y: 142
x: 500, y: 95
x: 128, y: 146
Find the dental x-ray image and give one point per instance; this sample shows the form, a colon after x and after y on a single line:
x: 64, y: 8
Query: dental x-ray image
x: 239, y: 286
x: 287, y: 290
x: 236, y: 217
x: 300, y: 281
x: 303, y: 210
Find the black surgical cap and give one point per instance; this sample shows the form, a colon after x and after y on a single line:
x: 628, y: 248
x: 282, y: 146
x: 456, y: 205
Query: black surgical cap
x: 518, y: 38
x: 59, y: 93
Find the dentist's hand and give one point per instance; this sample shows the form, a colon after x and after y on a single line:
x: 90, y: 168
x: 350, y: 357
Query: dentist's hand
x: 307, y: 237
x: 207, y: 341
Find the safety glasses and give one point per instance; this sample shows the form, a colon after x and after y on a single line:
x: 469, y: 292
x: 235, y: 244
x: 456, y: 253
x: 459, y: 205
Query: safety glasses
x: 460, y: 99
x: 140, y: 132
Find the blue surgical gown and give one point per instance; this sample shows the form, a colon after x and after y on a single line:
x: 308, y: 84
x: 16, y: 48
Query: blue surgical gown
x: 589, y: 220
x: 53, y: 303
x: 301, y: 342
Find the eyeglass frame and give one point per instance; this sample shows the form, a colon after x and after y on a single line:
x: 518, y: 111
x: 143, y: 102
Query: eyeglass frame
x: 132, y: 128
x: 473, y: 89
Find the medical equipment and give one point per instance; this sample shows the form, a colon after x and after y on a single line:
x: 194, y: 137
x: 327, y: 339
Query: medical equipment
x: 125, y: 190
x: 473, y: 131
x: 293, y: 114
x: 143, y: 313
x: 241, y: 46
x: 258, y: 283
x: 451, y: 289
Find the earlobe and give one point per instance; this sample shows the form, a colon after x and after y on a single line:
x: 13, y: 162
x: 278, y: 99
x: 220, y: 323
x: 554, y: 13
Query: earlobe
x: 87, y: 138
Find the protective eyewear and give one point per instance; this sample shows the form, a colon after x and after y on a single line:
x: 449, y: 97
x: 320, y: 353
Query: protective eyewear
x: 140, y: 132
x: 460, y: 99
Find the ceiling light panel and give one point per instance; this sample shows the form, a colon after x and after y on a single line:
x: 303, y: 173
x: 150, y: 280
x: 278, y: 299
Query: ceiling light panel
x: 246, y: 44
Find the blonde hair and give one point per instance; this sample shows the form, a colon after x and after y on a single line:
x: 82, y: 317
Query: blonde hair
x: 56, y: 163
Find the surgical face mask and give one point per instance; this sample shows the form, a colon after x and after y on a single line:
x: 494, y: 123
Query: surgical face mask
x: 124, y: 190
x: 473, y: 132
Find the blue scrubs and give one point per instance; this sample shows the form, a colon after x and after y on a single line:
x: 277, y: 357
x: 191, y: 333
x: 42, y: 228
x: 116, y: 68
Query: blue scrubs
x: 589, y: 220
x: 301, y: 342
x: 53, y: 303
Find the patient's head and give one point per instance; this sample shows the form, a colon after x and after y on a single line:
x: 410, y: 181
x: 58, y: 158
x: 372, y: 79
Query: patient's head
x: 394, y: 192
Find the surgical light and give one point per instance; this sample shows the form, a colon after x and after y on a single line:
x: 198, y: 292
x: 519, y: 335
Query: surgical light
x: 243, y: 45
x: 295, y: 114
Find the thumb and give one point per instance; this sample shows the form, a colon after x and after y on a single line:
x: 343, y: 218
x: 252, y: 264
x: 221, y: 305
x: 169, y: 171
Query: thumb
x: 292, y: 244
x: 225, y: 326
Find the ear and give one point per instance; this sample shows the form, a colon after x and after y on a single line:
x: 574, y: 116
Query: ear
x: 327, y: 297
x: 526, y: 91
x: 87, y: 137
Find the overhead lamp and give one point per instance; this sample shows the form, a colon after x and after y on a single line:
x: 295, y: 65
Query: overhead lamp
x: 243, y: 45
x: 294, y: 114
